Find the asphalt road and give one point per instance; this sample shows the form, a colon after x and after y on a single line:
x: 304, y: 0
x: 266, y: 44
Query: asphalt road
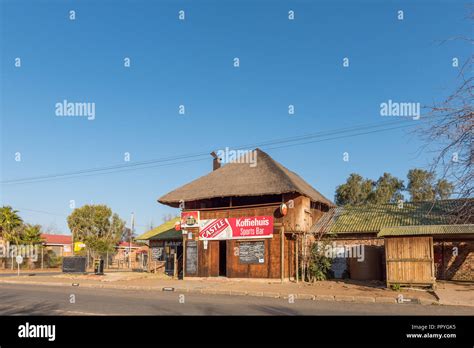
x: 22, y: 272
x: 20, y: 299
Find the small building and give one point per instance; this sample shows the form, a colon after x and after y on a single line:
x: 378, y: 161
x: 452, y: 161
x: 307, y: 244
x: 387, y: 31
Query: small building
x: 375, y: 226
x: 59, y: 244
x: 165, y: 253
x: 244, y: 220
x: 128, y: 255
x: 418, y: 255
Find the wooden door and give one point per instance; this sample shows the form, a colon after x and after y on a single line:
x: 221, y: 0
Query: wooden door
x: 409, y: 260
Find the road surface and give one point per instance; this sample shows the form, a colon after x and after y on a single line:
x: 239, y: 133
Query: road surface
x: 23, y: 299
x: 32, y: 274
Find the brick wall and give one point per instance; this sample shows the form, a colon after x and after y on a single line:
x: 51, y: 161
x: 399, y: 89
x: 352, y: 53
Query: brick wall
x: 454, y: 260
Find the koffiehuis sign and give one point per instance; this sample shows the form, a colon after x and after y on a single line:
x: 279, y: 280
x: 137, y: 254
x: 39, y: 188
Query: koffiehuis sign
x: 236, y: 228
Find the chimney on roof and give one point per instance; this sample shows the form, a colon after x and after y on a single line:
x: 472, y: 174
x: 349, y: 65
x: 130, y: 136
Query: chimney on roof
x: 216, y: 162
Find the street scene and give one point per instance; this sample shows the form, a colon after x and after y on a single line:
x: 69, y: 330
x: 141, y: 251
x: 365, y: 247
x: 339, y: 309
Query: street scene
x: 290, y: 159
x: 44, y: 300
x: 131, y: 293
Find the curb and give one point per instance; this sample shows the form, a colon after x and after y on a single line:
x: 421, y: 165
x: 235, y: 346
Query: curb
x: 210, y: 291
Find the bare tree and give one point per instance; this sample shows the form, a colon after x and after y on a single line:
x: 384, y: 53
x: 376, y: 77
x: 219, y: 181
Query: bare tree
x: 448, y: 132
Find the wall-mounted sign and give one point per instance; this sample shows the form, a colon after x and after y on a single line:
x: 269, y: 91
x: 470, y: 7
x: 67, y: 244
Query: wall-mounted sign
x: 173, y: 243
x: 237, y: 228
x: 252, y: 252
x: 78, y: 246
x: 191, y: 257
x: 156, y: 253
x: 189, y: 219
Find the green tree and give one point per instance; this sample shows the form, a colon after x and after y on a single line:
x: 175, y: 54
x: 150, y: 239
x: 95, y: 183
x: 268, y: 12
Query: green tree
x: 10, y: 224
x: 31, y: 234
x: 9, y: 220
x: 420, y: 185
x: 388, y: 189
x: 319, y: 263
x: 96, y: 226
x: 443, y: 189
x: 355, y: 191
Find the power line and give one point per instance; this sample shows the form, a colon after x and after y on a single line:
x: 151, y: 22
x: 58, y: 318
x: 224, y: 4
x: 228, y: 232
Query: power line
x: 61, y: 215
x: 296, y: 140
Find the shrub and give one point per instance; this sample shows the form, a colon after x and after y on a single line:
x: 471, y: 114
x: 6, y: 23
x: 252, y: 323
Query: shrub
x: 320, y: 264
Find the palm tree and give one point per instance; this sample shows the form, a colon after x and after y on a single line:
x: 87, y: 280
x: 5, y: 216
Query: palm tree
x: 10, y: 223
x: 9, y: 220
x: 32, y: 234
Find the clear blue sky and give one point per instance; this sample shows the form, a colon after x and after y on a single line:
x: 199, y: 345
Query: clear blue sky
x: 174, y: 62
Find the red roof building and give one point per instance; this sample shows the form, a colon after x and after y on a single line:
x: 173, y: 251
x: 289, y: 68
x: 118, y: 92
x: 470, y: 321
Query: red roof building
x: 56, y: 239
x: 60, y: 244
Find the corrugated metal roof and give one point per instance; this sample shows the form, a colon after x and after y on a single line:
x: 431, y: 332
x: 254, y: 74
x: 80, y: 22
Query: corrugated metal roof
x: 372, y: 218
x: 426, y: 230
x: 168, y: 225
x: 171, y: 234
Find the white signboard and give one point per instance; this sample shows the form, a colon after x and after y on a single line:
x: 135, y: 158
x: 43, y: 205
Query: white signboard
x: 19, y: 259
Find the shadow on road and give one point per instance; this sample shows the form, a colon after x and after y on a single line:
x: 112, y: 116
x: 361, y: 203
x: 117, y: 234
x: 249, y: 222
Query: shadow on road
x: 12, y: 305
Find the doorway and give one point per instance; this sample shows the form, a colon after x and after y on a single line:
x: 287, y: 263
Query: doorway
x: 222, y: 258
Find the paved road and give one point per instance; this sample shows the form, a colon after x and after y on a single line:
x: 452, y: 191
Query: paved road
x: 20, y: 299
x: 14, y: 274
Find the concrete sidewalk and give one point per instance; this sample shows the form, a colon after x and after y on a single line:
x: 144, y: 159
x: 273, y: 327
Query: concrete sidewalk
x: 455, y: 293
x: 333, y: 290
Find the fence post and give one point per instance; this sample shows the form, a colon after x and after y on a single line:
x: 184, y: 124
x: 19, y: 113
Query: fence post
x: 175, y: 266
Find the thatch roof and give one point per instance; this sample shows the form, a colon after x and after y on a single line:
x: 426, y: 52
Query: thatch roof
x: 235, y: 179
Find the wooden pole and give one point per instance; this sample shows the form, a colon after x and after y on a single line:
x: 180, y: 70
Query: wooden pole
x: 303, y: 264
x: 175, y: 265
x: 282, y: 251
x: 184, y: 257
x: 296, y: 259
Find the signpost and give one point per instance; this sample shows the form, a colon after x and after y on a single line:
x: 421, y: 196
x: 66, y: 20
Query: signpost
x: 19, y: 261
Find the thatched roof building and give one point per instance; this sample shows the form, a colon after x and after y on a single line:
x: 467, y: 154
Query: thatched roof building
x: 266, y: 178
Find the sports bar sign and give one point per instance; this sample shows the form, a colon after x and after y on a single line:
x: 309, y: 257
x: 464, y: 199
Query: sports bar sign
x: 236, y: 228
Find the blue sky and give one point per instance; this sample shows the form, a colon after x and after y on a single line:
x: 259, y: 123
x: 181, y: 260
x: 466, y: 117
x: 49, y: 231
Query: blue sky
x: 190, y: 62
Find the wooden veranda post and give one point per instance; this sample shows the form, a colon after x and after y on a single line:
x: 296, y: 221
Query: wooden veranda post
x: 175, y: 266
x: 282, y: 251
x: 296, y: 260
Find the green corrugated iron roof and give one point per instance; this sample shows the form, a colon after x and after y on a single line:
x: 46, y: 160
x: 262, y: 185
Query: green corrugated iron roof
x: 426, y: 230
x: 164, y: 228
x: 171, y: 234
x: 373, y: 218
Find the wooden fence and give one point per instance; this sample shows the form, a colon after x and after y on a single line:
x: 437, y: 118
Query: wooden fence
x: 410, y: 260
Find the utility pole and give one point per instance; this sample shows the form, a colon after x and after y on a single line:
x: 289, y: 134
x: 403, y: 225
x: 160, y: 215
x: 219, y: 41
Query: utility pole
x: 132, y: 222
